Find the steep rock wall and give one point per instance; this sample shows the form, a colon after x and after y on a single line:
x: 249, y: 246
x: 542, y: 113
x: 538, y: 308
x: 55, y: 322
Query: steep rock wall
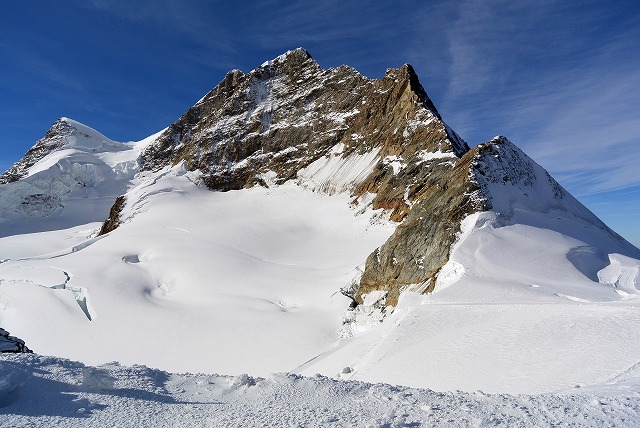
x: 288, y: 113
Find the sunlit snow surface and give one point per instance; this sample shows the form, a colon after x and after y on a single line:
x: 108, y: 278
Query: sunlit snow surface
x: 193, y: 280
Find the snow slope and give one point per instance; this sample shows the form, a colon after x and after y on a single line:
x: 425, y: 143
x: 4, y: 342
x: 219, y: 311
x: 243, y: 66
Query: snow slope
x: 192, y: 279
x: 73, y: 185
x: 44, y: 391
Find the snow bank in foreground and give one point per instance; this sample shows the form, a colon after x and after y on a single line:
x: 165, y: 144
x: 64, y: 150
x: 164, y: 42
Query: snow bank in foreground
x: 45, y: 391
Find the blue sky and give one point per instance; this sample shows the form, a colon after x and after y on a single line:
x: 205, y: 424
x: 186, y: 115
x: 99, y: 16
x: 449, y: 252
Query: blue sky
x: 561, y: 79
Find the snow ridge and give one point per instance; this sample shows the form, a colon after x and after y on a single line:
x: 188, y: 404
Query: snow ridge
x: 48, y: 391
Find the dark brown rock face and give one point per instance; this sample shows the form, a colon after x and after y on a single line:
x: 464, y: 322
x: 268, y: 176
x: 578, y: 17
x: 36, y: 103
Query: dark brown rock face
x: 113, y: 221
x: 11, y: 344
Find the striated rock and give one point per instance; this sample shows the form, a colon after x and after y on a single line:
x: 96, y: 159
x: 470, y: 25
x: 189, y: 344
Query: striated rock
x: 11, y: 344
x: 265, y: 127
x: 420, y: 246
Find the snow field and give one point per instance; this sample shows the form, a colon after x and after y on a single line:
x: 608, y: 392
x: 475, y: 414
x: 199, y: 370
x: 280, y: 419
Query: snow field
x: 246, y: 279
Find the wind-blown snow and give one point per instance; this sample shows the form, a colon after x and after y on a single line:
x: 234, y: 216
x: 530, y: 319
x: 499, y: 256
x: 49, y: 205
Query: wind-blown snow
x: 42, y: 391
x: 336, y: 173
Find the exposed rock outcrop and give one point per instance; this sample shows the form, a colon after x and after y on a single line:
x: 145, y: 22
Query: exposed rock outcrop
x: 289, y: 113
x: 113, y: 221
x: 420, y: 246
x: 334, y: 131
x: 11, y: 344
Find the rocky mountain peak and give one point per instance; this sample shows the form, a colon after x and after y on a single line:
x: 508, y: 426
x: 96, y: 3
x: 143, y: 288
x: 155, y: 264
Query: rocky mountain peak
x: 292, y: 58
x: 289, y: 119
x: 408, y: 74
x: 381, y: 141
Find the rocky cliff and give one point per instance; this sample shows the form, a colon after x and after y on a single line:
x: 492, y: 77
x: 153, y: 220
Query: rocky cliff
x: 290, y: 119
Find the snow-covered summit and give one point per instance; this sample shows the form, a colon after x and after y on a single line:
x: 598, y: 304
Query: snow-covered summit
x: 81, y: 136
x: 509, y: 182
x: 64, y: 134
x: 69, y: 177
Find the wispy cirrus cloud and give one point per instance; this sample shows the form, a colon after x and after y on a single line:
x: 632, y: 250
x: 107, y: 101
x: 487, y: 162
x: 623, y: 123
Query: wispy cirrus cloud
x: 39, y: 65
x: 206, y: 24
x: 565, y: 90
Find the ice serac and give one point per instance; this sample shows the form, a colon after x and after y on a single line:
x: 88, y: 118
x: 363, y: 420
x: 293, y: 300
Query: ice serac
x: 69, y: 177
x: 63, y: 133
x: 333, y: 130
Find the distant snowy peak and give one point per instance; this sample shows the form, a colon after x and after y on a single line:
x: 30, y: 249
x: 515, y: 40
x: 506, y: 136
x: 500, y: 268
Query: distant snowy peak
x: 506, y: 176
x: 64, y: 133
x: 81, y: 136
x: 71, y: 175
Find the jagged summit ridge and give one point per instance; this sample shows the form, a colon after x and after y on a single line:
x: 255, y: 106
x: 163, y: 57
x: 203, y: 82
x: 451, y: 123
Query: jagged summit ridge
x: 299, y: 53
x: 267, y: 125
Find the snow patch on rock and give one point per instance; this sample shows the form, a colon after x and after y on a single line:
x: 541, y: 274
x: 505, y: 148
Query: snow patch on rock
x: 334, y: 173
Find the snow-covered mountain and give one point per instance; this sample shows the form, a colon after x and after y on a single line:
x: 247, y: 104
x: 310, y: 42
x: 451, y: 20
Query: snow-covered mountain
x: 305, y: 220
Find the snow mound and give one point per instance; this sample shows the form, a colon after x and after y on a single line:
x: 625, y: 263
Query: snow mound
x: 47, y: 391
x: 259, y: 270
